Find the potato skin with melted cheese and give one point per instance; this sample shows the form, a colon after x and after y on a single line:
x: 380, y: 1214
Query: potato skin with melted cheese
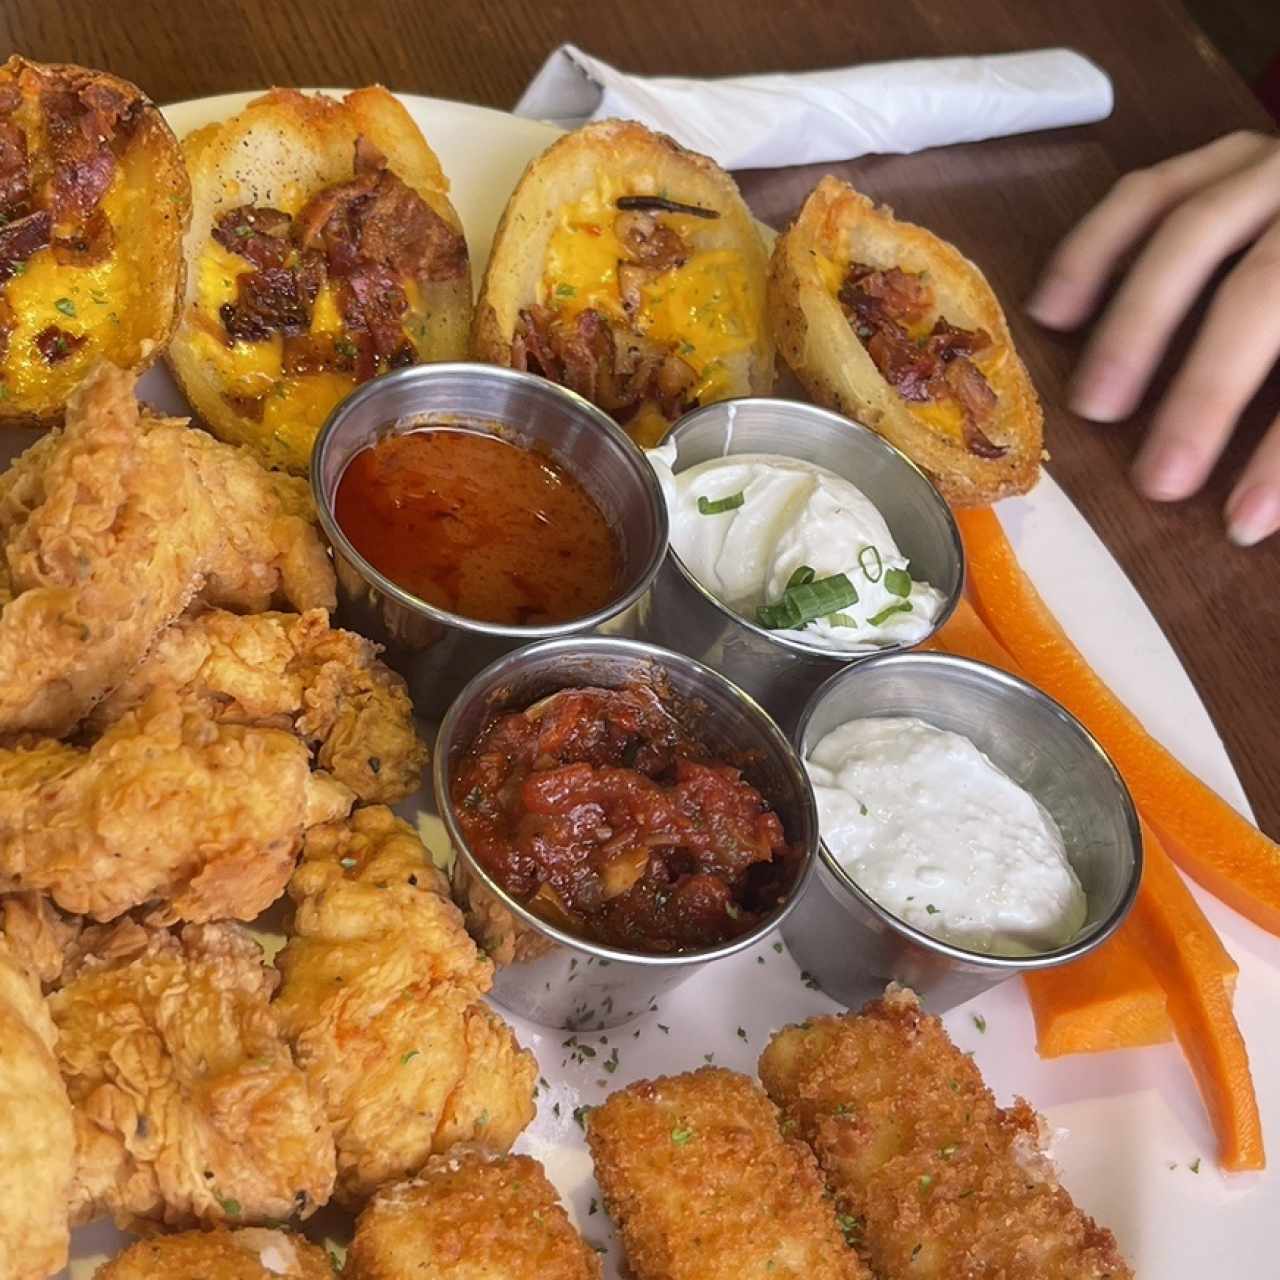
x: 277, y: 157
x: 558, y: 254
x: 838, y: 227
x: 91, y: 160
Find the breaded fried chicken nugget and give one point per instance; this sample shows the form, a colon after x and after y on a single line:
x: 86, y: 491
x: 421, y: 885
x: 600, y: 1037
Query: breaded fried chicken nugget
x: 291, y: 671
x: 703, y: 1186
x: 188, y: 1106
x: 381, y: 1001
x: 167, y: 805
x: 252, y: 1253
x: 37, y: 1137
x: 38, y: 935
x: 470, y: 1215
x: 934, y: 1179
x: 111, y: 526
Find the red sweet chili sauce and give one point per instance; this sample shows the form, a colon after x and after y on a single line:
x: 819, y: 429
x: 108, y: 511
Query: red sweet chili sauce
x: 479, y: 526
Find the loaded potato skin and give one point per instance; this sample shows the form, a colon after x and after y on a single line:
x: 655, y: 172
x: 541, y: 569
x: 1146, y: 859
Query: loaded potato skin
x: 323, y: 249
x: 886, y: 323
x: 630, y: 270
x: 94, y: 200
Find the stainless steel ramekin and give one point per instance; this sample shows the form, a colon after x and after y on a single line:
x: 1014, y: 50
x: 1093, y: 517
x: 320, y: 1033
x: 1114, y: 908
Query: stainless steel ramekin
x: 436, y: 651
x: 850, y: 943
x: 569, y: 982
x: 682, y: 614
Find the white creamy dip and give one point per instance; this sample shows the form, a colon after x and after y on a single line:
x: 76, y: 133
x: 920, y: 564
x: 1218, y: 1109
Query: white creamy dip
x: 939, y: 836
x: 794, y: 515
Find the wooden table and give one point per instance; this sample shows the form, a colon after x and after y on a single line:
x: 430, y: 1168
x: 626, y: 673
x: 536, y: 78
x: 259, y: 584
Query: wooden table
x: 1005, y: 203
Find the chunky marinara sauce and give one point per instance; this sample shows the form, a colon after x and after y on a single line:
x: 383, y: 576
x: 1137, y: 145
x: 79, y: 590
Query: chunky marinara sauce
x: 479, y: 526
x: 598, y: 811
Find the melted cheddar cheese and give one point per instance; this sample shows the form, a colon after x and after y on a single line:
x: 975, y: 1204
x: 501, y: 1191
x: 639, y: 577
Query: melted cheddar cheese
x: 100, y: 303
x: 293, y: 406
x: 708, y: 309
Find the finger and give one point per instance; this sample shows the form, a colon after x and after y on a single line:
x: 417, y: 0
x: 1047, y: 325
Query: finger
x: 1168, y: 276
x: 1231, y: 356
x: 1080, y: 267
x: 1253, y: 510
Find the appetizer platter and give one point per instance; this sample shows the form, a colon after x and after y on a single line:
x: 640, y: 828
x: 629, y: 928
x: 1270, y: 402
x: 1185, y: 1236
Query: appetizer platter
x: 330, y: 939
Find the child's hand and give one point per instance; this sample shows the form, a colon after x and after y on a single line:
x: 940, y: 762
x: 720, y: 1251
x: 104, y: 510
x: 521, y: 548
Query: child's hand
x: 1199, y: 208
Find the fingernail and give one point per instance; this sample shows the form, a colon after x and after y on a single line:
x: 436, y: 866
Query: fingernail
x: 1053, y: 302
x: 1102, y: 390
x: 1253, y: 515
x: 1167, y: 470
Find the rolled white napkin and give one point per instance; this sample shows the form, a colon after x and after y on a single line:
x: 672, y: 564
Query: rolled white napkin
x: 763, y: 121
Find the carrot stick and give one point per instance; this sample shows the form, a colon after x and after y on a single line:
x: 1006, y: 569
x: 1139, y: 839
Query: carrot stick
x: 1166, y: 923
x: 966, y: 635
x: 1199, y: 1002
x: 1108, y: 999
x: 1200, y: 831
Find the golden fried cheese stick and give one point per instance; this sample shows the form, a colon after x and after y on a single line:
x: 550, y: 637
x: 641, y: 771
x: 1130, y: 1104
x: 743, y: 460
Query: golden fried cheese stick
x: 702, y: 1184
x: 470, y: 1215
x: 932, y: 1177
x: 251, y: 1253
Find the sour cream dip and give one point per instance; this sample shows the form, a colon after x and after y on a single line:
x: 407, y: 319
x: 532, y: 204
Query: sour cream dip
x: 932, y: 831
x: 752, y: 526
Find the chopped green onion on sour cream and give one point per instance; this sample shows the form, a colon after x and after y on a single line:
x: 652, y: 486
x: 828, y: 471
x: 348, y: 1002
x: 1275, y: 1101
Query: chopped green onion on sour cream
x: 795, y: 549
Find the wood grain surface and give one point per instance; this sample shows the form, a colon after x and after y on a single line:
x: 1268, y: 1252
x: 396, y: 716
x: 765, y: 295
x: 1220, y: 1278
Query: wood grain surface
x: 1005, y: 203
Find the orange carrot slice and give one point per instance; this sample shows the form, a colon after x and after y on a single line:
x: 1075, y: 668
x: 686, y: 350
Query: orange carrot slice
x: 1199, y: 1002
x: 966, y: 635
x: 1108, y: 999
x: 1166, y: 923
x: 1201, y: 832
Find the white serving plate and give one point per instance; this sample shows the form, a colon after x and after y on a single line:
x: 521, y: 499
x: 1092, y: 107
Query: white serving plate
x: 1130, y: 1125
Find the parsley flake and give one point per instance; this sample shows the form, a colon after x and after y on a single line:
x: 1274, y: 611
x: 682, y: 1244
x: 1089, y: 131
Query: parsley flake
x: 852, y: 1228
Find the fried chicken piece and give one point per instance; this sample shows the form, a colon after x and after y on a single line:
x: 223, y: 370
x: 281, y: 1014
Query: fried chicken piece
x: 291, y: 671
x: 251, y: 1253
x: 702, y: 1184
x: 262, y: 546
x: 188, y: 1106
x: 934, y: 1178
x: 379, y: 998
x: 111, y: 526
x: 470, y: 1215
x: 166, y: 805
x: 37, y: 1140
x: 39, y: 935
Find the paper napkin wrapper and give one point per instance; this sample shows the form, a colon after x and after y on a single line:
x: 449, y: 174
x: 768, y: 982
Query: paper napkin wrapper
x: 765, y: 121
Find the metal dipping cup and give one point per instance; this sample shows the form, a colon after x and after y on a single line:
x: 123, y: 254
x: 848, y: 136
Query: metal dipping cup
x: 436, y: 651
x: 850, y: 943
x: 781, y: 673
x: 569, y: 982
